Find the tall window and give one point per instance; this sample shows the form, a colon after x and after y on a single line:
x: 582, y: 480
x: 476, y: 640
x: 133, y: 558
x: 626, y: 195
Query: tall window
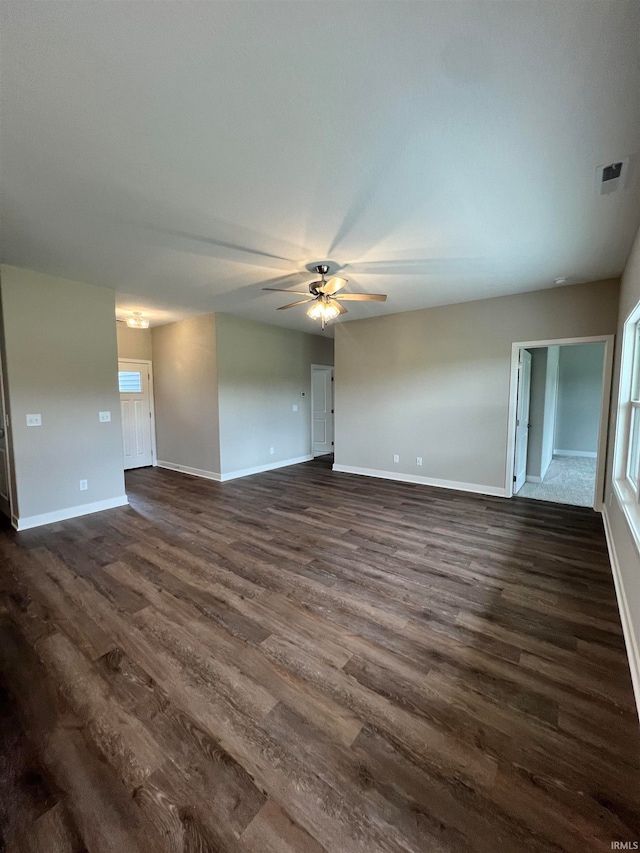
x: 627, y: 447
x: 633, y: 416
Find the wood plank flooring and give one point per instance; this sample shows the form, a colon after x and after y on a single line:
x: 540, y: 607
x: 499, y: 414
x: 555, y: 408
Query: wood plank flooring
x: 310, y: 661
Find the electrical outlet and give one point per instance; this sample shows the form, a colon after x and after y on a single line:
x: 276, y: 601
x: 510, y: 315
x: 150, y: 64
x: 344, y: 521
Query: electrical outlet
x: 34, y: 420
x: 84, y: 485
x: 104, y: 417
x: 272, y: 450
x: 396, y: 458
x: 418, y: 460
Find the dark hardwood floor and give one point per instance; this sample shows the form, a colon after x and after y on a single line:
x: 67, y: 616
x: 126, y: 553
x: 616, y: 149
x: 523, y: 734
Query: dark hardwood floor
x: 305, y: 660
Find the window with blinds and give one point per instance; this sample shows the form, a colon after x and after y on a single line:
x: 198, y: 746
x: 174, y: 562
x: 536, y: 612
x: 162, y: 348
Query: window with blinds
x: 130, y: 381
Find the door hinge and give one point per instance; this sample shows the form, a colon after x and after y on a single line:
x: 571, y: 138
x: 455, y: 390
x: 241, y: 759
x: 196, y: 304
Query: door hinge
x: 514, y: 478
x: 331, y: 444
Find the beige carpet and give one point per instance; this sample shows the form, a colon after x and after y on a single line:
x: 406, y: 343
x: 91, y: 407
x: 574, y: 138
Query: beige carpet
x: 569, y: 480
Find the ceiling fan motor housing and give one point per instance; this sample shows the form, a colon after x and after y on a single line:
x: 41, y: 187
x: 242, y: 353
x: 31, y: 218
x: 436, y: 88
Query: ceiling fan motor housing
x: 321, y: 269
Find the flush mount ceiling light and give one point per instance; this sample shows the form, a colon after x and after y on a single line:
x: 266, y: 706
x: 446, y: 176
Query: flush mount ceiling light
x: 137, y: 321
x: 326, y: 305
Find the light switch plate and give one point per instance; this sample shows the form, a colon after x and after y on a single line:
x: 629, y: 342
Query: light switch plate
x: 105, y: 417
x: 34, y: 420
x: 295, y: 408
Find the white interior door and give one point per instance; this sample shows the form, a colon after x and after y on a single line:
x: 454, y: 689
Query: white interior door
x: 322, y: 409
x: 135, y: 407
x: 522, y: 419
x: 5, y: 505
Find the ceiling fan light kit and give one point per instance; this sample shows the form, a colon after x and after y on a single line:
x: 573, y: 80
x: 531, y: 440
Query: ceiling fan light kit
x: 137, y: 321
x: 327, y: 305
x: 325, y: 311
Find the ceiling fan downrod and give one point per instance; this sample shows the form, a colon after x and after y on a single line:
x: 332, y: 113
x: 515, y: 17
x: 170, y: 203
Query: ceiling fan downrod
x: 322, y: 270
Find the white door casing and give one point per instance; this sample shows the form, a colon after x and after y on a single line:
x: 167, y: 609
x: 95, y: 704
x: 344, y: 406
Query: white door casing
x: 522, y: 419
x: 321, y: 409
x: 136, y: 408
x: 5, y: 501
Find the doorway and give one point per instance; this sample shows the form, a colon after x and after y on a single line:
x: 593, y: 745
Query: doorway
x: 322, y: 412
x: 558, y: 418
x: 5, y: 480
x: 135, y: 382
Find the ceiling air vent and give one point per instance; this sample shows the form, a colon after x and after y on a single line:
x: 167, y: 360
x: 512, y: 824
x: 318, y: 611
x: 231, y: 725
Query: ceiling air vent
x: 612, y: 177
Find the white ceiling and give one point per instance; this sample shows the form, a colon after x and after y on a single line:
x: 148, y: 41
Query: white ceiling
x: 186, y: 154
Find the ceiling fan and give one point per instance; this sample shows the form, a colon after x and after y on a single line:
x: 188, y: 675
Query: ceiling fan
x: 327, y: 305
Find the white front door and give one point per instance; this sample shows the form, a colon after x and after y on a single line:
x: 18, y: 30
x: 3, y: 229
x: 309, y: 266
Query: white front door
x: 522, y: 419
x: 5, y: 505
x: 135, y: 406
x: 322, y: 409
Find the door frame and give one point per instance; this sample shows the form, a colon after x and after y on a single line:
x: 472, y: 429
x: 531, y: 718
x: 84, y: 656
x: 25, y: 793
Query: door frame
x: 152, y: 404
x: 515, y: 440
x: 332, y: 368
x: 4, y: 395
x: 605, y: 404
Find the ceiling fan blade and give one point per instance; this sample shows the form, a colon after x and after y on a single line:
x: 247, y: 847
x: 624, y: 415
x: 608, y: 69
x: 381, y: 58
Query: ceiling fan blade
x: 364, y: 297
x: 333, y: 285
x: 416, y: 266
x: 299, y: 302
x: 336, y: 305
x: 282, y: 290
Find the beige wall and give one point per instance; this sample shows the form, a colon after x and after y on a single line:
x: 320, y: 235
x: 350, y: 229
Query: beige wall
x: 435, y: 383
x: 263, y: 370
x: 61, y: 362
x: 579, y: 397
x: 134, y: 343
x: 225, y: 390
x: 625, y: 552
x: 185, y: 382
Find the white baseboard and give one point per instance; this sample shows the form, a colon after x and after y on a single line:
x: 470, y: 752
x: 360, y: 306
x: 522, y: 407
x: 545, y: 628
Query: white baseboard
x: 66, y: 514
x: 185, y: 469
x: 233, y: 475
x: 588, y: 453
x: 533, y: 478
x: 625, y: 614
x: 496, y: 491
x: 246, y: 472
